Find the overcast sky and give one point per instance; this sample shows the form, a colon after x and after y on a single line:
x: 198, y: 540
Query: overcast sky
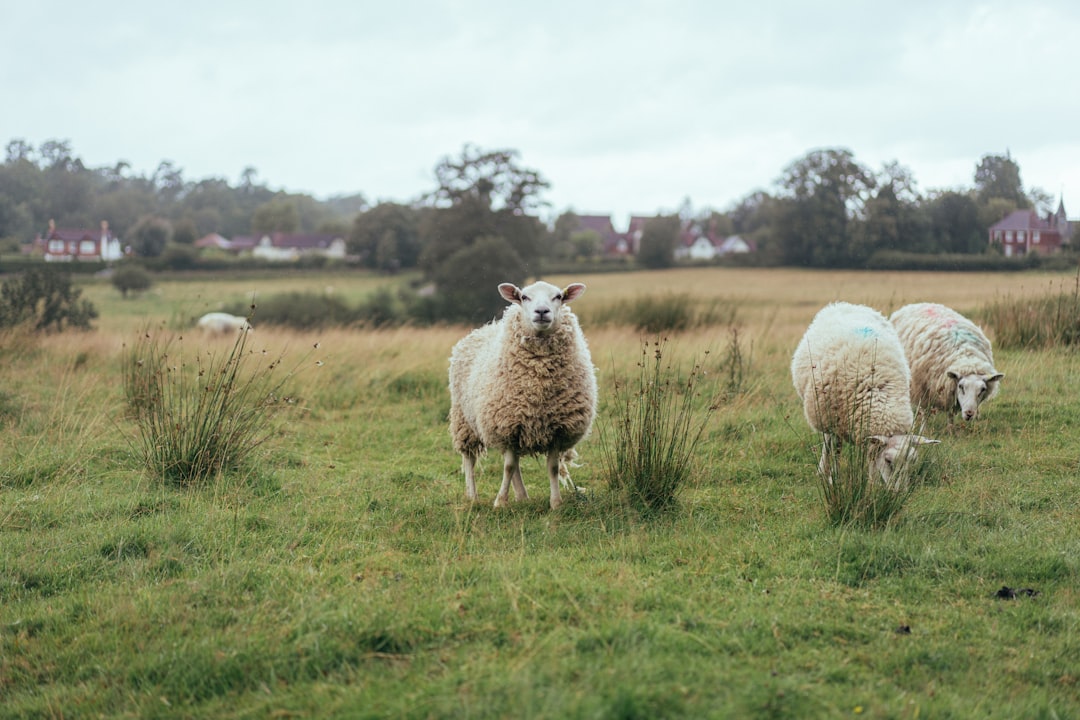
x: 624, y: 107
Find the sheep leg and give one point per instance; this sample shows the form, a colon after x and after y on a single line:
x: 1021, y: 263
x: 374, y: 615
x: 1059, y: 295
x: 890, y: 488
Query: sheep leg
x: 827, y: 450
x: 554, y: 461
x: 468, y: 466
x: 519, y: 485
x: 511, y: 474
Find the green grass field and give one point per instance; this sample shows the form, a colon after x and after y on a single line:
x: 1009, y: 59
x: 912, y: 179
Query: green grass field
x: 341, y: 573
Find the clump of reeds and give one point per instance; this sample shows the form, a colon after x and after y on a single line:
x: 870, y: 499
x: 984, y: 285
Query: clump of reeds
x: 200, y: 413
x: 658, y: 419
x: 852, y: 489
x: 1052, y: 320
x: 854, y: 493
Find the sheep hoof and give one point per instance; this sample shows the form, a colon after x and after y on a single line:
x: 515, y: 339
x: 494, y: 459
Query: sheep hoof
x: 501, y: 501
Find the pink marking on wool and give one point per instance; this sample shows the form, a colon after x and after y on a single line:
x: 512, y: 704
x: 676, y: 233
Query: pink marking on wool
x: 931, y: 311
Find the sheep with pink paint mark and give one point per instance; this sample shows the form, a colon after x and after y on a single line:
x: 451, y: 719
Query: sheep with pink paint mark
x: 951, y: 361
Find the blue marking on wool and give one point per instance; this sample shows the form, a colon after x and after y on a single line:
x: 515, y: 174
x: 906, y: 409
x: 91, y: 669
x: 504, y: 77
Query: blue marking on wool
x: 865, y: 332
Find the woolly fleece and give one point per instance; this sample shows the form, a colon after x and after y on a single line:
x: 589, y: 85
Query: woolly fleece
x: 511, y: 389
x: 850, y: 371
x: 938, y: 340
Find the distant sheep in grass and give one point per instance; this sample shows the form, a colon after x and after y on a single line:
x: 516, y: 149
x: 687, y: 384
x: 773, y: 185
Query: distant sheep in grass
x: 219, y: 323
x: 952, y: 364
x: 850, y: 371
x: 523, y: 385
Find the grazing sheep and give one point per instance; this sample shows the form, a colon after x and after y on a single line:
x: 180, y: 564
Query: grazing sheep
x: 951, y: 362
x: 219, y: 323
x: 851, y: 374
x: 523, y: 385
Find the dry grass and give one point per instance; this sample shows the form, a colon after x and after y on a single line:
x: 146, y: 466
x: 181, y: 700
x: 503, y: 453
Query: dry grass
x: 784, y: 300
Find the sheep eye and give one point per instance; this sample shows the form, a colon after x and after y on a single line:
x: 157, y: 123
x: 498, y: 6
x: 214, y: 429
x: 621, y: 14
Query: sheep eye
x: 559, y: 297
x: 524, y: 298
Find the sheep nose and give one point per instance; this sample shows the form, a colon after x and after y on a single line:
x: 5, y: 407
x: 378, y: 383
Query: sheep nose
x: 542, y: 313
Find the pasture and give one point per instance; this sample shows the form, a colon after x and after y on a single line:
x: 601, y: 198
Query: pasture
x: 341, y: 573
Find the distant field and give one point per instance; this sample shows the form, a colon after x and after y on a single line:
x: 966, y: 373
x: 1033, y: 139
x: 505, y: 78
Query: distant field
x: 342, y: 573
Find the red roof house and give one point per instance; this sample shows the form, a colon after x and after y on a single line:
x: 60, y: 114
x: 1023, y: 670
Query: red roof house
x: 67, y: 244
x: 1023, y: 232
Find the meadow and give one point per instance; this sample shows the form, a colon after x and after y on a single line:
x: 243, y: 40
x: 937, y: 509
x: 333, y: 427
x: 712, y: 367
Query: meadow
x: 340, y: 572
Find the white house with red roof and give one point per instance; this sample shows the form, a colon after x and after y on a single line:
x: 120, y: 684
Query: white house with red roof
x: 68, y: 244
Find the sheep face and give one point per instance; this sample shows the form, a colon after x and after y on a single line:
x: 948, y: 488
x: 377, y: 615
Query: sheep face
x: 541, y: 303
x: 972, y: 389
x: 893, y: 452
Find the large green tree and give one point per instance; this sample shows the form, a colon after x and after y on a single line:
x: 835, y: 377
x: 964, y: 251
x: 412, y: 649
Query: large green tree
x: 658, y: 240
x: 278, y: 215
x: 386, y: 237
x: 954, y: 223
x: 893, y: 218
x: 150, y: 235
x: 481, y: 196
x: 822, y: 193
x: 998, y: 176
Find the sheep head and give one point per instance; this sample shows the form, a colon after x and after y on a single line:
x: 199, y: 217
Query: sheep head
x: 890, y: 453
x: 541, y: 303
x: 972, y: 389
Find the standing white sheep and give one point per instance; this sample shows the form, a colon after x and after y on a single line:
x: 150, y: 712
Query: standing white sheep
x: 523, y: 385
x: 850, y: 371
x: 952, y: 364
x: 219, y: 323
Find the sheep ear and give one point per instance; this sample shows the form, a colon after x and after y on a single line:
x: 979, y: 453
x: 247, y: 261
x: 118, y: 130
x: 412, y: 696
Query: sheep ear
x: 573, y: 290
x: 510, y: 293
x: 878, y: 440
x: 952, y: 375
x: 991, y: 379
x: 920, y: 440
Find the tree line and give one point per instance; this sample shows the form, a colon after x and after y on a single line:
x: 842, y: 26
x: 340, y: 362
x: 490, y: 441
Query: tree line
x: 480, y: 224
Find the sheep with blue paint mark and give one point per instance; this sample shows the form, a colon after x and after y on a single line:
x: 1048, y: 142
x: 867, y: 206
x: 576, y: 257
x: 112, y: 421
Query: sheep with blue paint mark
x: 950, y: 357
x: 850, y: 371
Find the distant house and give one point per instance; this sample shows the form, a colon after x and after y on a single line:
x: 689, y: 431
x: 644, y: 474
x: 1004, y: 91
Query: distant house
x: 279, y: 247
x: 698, y: 244
x: 213, y: 240
x: 1023, y: 232
x: 694, y: 243
x: 611, y: 241
x: 68, y: 244
x: 635, y: 230
x: 735, y: 245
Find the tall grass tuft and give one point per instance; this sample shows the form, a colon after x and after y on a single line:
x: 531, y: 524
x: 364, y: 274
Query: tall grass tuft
x: 1052, y: 320
x: 196, y: 416
x: 853, y: 494
x: 734, y: 367
x: 648, y: 446
x: 853, y: 491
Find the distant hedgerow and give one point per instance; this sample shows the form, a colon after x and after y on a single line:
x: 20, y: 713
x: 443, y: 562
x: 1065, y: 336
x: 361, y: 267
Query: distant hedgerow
x: 664, y: 313
x: 311, y: 311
